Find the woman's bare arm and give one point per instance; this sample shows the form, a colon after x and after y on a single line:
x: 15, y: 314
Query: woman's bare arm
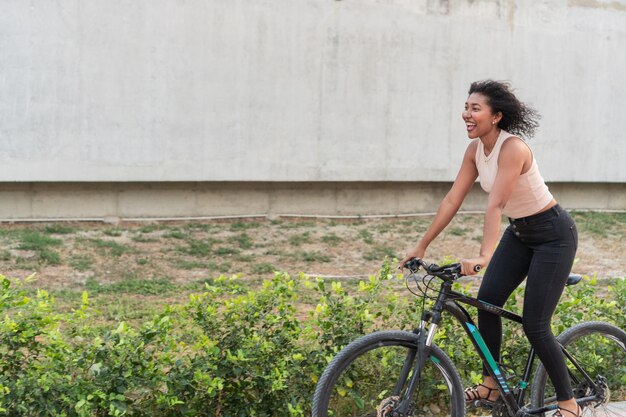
x: 511, y: 160
x: 451, y: 202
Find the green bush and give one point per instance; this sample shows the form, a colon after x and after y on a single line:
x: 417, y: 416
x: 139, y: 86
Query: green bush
x: 234, y: 350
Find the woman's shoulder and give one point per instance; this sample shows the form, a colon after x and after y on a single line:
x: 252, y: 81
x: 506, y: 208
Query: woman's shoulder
x: 514, y: 143
x: 472, y: 148
x: 473, y: 145
x: 515, y: 147
x: 511, y: 137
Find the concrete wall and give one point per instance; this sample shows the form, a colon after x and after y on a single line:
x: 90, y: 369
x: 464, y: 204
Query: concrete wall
x: 114, y: 201
x: 299, y: 90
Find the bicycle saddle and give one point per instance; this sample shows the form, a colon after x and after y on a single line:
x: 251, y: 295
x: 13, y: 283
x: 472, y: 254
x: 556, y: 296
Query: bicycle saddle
x: 573, y: 279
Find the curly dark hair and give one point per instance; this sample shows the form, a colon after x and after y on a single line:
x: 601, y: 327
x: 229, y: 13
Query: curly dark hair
x: 517, y: 117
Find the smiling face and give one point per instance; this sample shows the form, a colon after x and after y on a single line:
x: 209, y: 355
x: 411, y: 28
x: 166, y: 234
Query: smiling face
x: 478, y: 116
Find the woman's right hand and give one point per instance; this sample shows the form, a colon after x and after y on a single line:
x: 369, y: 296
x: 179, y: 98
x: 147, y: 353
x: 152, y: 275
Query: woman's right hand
x: 416, y: 252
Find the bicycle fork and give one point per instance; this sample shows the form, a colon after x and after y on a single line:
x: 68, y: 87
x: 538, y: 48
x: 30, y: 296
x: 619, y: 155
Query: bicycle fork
x: 422, y: 353
x: 415, y: 361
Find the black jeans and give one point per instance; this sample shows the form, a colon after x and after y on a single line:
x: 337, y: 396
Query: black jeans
x: 541, y: 247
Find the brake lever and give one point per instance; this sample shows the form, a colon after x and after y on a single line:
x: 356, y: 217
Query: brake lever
x: 413, y: 265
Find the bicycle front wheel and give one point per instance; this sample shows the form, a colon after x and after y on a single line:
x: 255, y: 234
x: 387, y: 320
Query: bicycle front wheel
x: 369, y: 376
x: 600, y: 349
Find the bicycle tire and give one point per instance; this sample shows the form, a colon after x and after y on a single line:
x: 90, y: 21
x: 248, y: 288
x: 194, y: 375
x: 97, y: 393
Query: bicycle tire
x: 600, y: 348
x: 344, y: 389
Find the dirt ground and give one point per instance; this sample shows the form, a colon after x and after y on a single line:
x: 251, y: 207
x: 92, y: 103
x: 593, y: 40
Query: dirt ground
x: 68, y: 255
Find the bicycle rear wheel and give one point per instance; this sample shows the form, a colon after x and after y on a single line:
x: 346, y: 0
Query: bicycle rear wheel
x: 371, y: 373
x: 600, y: 349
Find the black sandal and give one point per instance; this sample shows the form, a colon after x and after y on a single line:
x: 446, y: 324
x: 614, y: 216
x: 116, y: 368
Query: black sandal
x: 472, y: 394
x: 559, y: 414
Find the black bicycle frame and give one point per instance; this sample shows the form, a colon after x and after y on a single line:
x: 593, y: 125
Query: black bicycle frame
x: 449, y: 300
x: 451, y: 305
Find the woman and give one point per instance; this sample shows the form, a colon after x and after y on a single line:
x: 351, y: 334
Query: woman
x: 540, y: 242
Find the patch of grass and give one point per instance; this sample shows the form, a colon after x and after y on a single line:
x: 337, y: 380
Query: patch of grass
x: 217, y: 248
x: 198, y: 227
x: 366, y: 236
x: 297, y: 225
x: 314, y: 257
x: 175, y: 234
x: 243, y: 240
x: 188, y: 265
x: 288, y: 225
x: 26, y: 263
x: 223, y: 268
x: 113, y: 232
x: 380, y: 252
x: 297, y: 240
x: 275, y: 252
x: 263, y: 268
x: 209, y: 266
x: 40, y: 244
x: 81, y: 263
x: 600, y: 224
x: 457, y: 231
x: 70, y: 296
x: 143, y: 239
x: 198, y: 248
x: 50, y: 257
x: 385, y: 227
x: 233, y: 288
x: 131, y: 286
x: 114, y: 248
x: 225, y: 251
x: 10, y: 233
x: 33, y: 240
x: 244, y: 225
x: 149, y: 228
x: 472, y: 219
x: 58, y: 229
x: 417, y: 225
x: 332, y: 239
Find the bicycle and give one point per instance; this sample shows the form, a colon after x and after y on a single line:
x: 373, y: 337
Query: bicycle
x: 398, y: 373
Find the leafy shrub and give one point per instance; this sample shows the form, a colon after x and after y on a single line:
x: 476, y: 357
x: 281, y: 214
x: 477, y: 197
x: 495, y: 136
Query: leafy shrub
x: 232, y: 351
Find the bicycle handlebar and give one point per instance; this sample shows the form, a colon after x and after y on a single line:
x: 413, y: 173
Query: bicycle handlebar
x: 451, y: 271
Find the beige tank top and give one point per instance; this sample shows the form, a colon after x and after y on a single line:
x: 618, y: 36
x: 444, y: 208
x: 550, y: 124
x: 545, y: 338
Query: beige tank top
x: 530, y: 194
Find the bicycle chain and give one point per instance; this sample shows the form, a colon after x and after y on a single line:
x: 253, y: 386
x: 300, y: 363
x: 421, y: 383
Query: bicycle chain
x: 387, y: 408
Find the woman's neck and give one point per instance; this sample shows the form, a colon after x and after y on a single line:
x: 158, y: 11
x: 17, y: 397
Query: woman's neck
x: 490, y: 139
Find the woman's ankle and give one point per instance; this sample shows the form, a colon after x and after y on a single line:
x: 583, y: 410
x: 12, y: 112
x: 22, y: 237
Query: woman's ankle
x: 569, y: 408
x: 489, y: 382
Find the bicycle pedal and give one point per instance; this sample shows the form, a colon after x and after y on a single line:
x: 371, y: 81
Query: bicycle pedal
x: 483, y: 404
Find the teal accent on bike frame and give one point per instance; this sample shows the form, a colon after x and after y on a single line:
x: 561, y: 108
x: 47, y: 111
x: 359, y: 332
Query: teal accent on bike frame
x: 437, y: 361
x: 490, y: 360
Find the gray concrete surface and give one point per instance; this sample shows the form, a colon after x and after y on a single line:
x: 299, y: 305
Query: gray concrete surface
x: 616, y: 409
x: 298, y: 90
x: 156, y: 200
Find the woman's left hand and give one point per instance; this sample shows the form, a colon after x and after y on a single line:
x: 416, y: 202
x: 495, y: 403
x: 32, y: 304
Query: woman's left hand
x: 468, y: 265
